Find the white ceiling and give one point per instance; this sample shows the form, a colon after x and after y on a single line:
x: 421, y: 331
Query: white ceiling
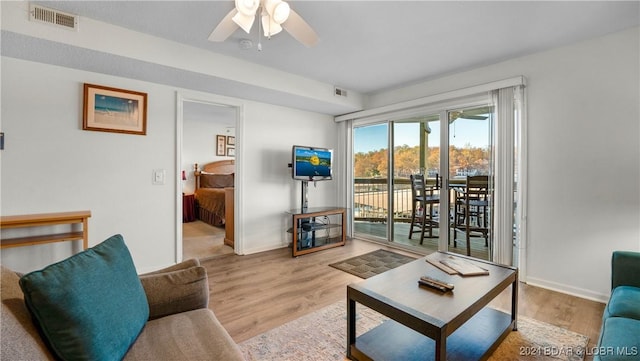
x: 370, y: 46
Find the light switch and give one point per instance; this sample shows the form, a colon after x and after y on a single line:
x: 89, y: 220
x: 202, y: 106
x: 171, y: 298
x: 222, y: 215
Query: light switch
x: 159, y: 176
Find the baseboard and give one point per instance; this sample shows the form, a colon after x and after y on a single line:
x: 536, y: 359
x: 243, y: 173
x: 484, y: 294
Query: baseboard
x: 570, y: 290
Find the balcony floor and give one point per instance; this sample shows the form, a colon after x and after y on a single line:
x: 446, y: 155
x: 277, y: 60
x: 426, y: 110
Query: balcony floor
x: 376, y: 231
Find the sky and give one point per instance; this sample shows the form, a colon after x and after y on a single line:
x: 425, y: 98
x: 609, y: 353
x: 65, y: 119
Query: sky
x: 461, y: 132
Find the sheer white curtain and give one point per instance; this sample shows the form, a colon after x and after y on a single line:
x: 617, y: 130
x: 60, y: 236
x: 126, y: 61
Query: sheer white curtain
x: 508, y: 166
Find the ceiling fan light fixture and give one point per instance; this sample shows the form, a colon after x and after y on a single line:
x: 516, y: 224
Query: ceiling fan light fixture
x: 278, y: 10
x: 247, y: 7
x: 275, y: 15
x: 246, y: 13
x: 244, y: 21
x: 275, y: 12
x: 269, y: 26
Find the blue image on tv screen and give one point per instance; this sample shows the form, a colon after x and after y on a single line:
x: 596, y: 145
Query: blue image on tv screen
x: 313, y: 163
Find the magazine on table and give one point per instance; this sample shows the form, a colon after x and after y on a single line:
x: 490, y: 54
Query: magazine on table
x: 464, y: 267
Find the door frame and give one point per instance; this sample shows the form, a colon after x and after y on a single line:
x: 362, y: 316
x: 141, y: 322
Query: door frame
x: 215, y: 100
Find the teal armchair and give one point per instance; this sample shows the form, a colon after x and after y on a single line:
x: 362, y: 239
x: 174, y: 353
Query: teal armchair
x: 620, y: 333
x: 625, y: 269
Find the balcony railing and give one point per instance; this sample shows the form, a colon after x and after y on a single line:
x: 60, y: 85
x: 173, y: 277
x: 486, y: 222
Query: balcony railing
x: 371, y: 199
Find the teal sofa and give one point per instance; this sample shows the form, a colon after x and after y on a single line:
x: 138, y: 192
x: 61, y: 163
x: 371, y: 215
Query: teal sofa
x: 620, y: 333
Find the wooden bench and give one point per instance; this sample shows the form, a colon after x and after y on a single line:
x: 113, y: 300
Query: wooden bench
x: 46, y: 219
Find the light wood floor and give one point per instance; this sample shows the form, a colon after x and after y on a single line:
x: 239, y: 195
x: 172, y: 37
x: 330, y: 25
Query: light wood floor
x: 255, y: 293
x: 202, y: 240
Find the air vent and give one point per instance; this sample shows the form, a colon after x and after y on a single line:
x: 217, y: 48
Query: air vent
x: 340, y: 92
x: 53, y: 17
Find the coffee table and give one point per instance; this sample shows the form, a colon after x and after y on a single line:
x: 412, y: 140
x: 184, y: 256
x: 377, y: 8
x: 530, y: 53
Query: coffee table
x: 427, y: 324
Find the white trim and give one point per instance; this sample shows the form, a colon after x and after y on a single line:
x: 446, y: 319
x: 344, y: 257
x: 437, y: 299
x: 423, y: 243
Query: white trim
x: 436, y: 108
x: 178, y: 207
x: 446, y: 96
x: 347, y: 189
x: 445, y: 202
x: 568, y: 289
x: 503, y: 150
x: 523, y: 184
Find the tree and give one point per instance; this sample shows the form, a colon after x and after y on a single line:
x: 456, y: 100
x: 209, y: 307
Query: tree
x: 373, y: 164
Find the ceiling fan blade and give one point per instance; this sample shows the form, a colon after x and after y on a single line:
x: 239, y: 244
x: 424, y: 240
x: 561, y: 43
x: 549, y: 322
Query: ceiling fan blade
x: 474, y: 117
x: 300, y: 30
x: 226, y: 27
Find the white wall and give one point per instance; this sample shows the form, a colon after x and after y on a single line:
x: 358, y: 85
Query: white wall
x: 50, y: 164
x: 270, y: 132
x: 584, y: 155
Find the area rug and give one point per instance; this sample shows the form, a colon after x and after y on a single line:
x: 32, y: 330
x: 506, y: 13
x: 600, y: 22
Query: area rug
x: 372, y: 263
x: 321, y: 335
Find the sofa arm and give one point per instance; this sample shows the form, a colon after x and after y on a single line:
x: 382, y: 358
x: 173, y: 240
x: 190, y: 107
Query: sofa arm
x: 625, y: 269
x: 175, y: 291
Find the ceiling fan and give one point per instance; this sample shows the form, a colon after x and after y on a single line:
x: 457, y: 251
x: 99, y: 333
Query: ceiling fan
x: 472, y: 114
x: 275, y: 15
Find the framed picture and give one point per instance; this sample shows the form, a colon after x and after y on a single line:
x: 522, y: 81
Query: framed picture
x: 231, y: 152
x: 220, y: 144
x: 231, y: 140
x: 108, y: 109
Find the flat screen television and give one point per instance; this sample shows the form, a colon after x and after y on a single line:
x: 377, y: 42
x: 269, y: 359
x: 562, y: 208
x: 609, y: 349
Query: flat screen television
x: 311, y: 163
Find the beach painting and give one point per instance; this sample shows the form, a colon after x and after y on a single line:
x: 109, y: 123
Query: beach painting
x: 114, y: 110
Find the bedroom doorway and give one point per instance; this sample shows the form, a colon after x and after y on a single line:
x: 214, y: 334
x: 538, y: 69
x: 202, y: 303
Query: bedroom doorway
x: 201, y: 125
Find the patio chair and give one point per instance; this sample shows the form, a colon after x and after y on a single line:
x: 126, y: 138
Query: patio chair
x: 472, y: 210
x: 424, y: 198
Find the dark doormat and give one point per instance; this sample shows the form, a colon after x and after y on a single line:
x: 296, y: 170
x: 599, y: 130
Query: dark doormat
x: 372, y: 263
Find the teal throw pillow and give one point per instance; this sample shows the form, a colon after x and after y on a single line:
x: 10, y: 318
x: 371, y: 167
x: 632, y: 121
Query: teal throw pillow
x: 90, y: 306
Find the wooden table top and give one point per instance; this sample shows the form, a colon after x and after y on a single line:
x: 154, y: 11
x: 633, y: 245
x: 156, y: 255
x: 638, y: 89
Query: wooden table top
x: 398, y: 288
x: 27, y: 219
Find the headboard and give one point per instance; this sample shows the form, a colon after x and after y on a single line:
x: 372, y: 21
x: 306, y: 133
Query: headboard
x: 227, y: 166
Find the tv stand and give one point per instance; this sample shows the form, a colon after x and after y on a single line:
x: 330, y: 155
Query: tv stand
x: 315, y: 229
x: 305, y: 196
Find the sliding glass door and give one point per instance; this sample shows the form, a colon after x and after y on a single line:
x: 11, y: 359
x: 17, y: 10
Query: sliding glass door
x: 470, y: 184
x: 371, y: 182
x: 474, y: 205
x: 383, y: 204
x: 388, y: 154
x: 415, y: 151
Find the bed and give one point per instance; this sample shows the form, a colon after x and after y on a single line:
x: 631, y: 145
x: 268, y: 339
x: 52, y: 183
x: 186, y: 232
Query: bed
x: 214, y: 193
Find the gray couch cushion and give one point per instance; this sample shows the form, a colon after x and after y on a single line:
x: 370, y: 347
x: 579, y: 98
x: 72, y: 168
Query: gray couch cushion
x: 20, y: 339
x: 192, y: 335
x: 176, y: 291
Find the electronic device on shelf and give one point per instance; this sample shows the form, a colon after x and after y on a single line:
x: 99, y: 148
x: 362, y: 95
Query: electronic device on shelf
x: 311, y: 163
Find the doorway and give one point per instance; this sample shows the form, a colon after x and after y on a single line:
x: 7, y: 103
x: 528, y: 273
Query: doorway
x: 201, y: 121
